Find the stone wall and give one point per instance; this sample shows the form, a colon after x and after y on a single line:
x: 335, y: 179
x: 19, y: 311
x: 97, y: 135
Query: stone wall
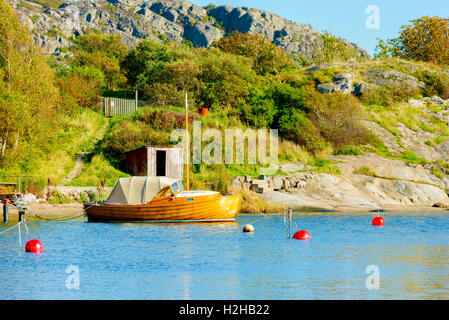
x: 272, y: 183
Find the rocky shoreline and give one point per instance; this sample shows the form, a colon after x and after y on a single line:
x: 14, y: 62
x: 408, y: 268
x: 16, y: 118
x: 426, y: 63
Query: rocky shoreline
x: 387, y: 185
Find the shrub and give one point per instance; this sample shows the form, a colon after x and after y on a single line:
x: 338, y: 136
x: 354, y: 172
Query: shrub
x: 386, y: 95
x: 437, y: 83
x: 437, y: 172
x: 366, y: 171
x: 124, y: 136
x: 347, y: 150
x: 338, y: 118
x: 84, y: 84
x: 260, y: 110
x: 333, y: 49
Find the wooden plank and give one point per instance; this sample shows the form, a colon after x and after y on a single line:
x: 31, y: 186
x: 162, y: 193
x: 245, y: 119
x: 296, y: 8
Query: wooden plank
x: 174, y: 163
x: 151, y: 160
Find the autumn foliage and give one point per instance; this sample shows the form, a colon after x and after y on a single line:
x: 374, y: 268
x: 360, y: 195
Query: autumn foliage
x: 425, y: 39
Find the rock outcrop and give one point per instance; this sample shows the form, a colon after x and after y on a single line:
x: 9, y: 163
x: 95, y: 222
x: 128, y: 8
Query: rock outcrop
x: 176, y: 20
x: 395, y: 184
x: 393, y: 78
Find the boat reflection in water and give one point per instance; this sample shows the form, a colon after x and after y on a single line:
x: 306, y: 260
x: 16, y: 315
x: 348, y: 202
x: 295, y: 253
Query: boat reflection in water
x: 161, y: 199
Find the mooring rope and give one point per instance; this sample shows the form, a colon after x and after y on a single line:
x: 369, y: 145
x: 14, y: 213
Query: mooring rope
x: 9, y: 228
x: 60, y: 219
x: 28, y: 231
x: 20, y: 237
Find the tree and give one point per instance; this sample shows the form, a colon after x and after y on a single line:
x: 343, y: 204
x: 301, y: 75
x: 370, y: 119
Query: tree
x: 84, y: 84
x: 27, y: 89
x: 145, y: 61
x: 267, y: 58
x: 13, y: 39
x: 425, y: 39
x: 103, y: 52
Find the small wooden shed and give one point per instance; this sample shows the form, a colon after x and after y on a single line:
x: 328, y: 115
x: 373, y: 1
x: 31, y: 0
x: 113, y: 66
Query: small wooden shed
x: 156, y: 161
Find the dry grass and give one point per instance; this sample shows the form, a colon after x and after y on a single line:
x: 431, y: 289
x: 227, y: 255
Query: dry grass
x: 254, y: 203
x: 290, y: 151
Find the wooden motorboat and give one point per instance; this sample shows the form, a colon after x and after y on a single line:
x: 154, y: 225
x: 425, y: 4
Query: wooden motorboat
x: 168, y: 202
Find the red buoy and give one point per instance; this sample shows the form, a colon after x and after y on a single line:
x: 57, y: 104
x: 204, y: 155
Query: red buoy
x: 378, y: 221
x: 302, y: 235
x: 34, y: 246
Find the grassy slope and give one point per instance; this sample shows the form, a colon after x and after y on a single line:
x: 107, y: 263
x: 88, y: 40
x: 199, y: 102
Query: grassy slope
x: 56, y: 160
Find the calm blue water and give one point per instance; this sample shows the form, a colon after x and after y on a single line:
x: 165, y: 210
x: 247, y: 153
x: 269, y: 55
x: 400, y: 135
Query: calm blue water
x: 218, y: 261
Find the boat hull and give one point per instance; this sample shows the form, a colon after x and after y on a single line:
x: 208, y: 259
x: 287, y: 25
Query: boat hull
x: 209, y: 208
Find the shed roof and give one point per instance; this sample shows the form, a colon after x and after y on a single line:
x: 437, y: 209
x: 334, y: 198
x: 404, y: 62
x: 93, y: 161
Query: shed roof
x: 156, y: 147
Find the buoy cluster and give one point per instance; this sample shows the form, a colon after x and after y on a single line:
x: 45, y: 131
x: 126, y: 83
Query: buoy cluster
x: 305, y: 235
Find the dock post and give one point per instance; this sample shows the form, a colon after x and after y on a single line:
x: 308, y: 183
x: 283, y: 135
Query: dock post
x: 5, y: 211
x: 21, y: 214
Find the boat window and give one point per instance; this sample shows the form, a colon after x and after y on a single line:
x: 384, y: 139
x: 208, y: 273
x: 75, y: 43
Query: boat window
x: 175, y: 187
x: 165, y: 192
x: 180, y: 185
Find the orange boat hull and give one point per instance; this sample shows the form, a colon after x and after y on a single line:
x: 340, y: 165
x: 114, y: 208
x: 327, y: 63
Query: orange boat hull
x: 207, y: 208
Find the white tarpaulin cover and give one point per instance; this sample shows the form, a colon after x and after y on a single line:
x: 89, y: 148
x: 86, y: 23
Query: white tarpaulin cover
x: 137, y: 190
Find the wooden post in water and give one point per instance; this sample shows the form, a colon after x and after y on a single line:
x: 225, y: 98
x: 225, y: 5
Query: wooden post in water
x: 288, y: 217
x: 5, y: 210
x: 21, y: 214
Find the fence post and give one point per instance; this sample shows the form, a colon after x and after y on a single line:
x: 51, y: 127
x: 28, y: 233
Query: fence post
x: 135, y: 107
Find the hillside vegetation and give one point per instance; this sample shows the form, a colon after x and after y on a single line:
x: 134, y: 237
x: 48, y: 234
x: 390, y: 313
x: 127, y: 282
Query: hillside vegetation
x: 50, y: 111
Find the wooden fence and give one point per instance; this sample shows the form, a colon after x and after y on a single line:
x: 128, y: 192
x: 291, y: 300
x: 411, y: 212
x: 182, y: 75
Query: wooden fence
x: 118, y: 107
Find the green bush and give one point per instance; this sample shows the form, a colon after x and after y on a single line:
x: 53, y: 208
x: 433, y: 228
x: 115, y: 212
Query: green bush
x: 366, y: 171
x: 347, y: 150
x: 338, y: 118
x: 387, y: 95
x: 437, y: 83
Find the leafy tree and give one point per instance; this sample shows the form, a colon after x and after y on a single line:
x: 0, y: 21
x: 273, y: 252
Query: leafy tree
x: 267, y: 58
x: 27, y: 89
x: 145, y: 62
x: 103, y: 52
x: 425, y: 39
x: 84, y: 84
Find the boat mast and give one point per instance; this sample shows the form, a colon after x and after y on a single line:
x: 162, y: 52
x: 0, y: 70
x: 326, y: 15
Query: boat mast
x: 187, y: 148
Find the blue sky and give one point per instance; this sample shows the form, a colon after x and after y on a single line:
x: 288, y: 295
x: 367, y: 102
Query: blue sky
x: 347, y: 18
